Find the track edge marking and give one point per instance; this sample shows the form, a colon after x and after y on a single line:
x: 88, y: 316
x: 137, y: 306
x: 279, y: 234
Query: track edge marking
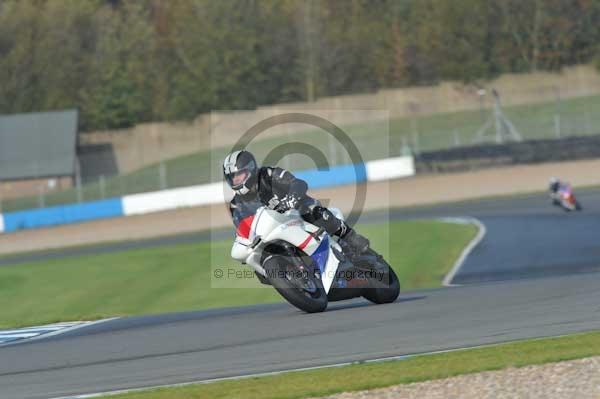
x: 482, y: 231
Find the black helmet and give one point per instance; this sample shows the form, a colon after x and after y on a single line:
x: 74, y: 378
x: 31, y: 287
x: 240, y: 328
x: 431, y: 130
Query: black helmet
x: 240, y: 171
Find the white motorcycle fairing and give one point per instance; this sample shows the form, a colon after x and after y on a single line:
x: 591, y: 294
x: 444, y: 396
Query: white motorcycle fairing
x: 270, y: 226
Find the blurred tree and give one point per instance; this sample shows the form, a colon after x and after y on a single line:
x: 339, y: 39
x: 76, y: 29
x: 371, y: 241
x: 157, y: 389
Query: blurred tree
x: 119, y: 90
x: 125, y: 62
x: 546, y: 34
x: 451, y: 38
x: 214, y: 44
x: 392, y: 63
x: 351, y: 33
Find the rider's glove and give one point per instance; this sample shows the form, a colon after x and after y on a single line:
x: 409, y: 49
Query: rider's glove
x: 290, y: 201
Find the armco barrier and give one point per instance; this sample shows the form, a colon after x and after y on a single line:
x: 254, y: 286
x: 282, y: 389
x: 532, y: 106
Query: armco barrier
x: 206, y: 194
x: 63, y: 214
x: 334, y: 176
x: 391, y: 168
x: 218, y: 193
x: 525, y: 152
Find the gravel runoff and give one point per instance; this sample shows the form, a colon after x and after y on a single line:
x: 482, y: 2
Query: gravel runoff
x: 569, y: 379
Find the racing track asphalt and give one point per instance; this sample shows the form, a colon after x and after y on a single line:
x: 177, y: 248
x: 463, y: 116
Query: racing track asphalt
x: 558, y: 252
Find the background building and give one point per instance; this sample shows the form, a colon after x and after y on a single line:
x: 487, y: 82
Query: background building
x: 37, y: 152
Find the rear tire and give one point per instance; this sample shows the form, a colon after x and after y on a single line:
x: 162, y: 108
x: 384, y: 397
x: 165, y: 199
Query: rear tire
x: 310, y: 301
x: 387, y: 290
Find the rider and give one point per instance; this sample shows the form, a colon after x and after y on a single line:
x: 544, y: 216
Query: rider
x: 554, y: 186
x: 281, y: 191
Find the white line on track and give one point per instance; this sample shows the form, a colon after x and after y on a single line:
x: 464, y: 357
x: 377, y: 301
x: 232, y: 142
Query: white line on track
x: 28, y: 334
x: 468, y: 249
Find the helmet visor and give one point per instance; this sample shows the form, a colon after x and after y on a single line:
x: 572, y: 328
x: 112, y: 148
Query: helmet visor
x: 237, y: 179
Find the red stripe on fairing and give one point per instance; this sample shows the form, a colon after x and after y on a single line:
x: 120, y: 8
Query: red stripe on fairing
x: 305, y: 242
x: 243, y: 229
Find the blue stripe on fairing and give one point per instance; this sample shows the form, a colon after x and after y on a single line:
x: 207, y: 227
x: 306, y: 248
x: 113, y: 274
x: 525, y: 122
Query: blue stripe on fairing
x: 321, y: 254
x: 63, y: 214
x: 334, y: 176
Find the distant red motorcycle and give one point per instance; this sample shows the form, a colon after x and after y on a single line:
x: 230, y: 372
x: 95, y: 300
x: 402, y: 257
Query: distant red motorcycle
x: 565, y: 198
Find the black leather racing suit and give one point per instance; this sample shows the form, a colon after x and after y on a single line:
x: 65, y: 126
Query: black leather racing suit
x: 280, y: 190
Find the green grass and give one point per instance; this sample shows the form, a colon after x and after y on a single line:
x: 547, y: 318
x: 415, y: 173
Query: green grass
x: 322, y: 382
x: 178, y: 277
x: 579, y: 116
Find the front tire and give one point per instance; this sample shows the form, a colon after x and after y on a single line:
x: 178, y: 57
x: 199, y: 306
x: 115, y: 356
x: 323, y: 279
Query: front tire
x: 387, y: 289
x: 565, y: 207
x: 300, y: 288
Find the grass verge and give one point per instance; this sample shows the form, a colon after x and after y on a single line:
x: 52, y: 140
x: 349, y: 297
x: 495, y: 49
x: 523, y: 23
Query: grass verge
x: 322, y: 382
x: 178, y: 277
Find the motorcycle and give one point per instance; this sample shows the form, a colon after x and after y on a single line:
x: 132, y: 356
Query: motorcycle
x: 307, y: 266
x: 565, y: 198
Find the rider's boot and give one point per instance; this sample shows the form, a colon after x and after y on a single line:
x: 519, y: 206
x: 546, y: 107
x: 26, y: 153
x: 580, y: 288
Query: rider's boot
x: 358, y: 242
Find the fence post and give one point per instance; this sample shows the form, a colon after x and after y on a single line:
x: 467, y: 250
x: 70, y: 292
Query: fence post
x: 415, y: 134
x: 41, y: 198
x: 78, y: 180
x: 557, y: 112
x: 588, y: 122
x: 405, y: 150
x: 481, y: 94
x: 456, y: 138
x: 332, y: 149
x: 102, y: 183
x: 162, y: 175
x: 79, y: 192
x: 287, y: 162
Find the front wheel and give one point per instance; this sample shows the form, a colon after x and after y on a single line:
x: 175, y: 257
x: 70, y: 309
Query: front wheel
x: 296, y: 284
x: 385, y: 286
x: 565, y: 206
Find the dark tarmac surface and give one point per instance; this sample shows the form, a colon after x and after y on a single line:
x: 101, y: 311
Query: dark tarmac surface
x: 536, y: 273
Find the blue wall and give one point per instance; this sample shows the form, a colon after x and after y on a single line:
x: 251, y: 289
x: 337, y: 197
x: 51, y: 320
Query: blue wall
x: 64, y: 214
x: 335, y: 176
x: 74, y: 213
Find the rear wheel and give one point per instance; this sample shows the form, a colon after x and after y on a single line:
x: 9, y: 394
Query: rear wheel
x: 297, y: 285
x: 385, y: 286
